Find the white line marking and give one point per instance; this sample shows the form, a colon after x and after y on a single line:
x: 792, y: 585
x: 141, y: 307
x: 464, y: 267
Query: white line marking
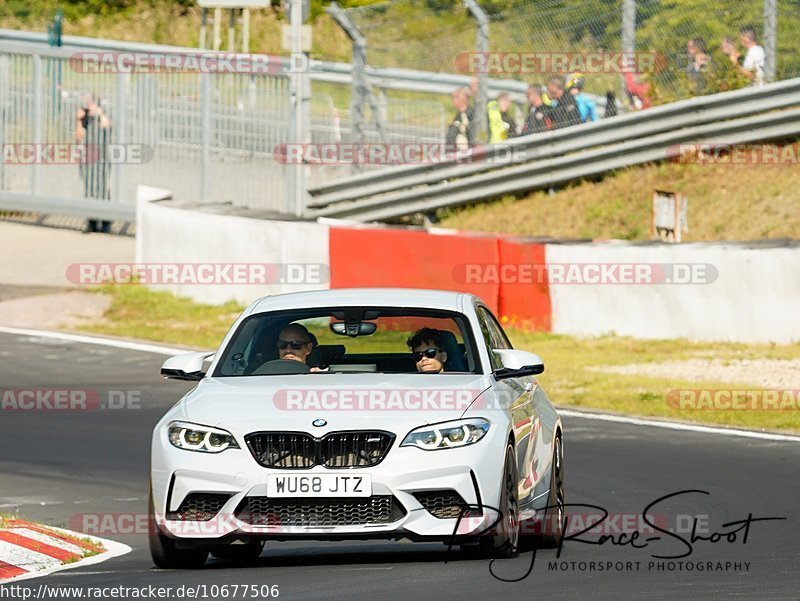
x: 122, y: 344
x: 679, y: 426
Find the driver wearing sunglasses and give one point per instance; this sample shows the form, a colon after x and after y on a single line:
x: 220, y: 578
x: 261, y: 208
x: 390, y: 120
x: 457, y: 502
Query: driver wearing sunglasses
x: 294, y: 344
x: 426, y: 349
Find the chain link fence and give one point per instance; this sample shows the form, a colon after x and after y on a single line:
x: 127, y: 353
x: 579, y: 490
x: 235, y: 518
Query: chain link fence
x: 436, y: 35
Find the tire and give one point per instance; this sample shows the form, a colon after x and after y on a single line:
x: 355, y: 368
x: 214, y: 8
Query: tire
x: 164, y: 552
x: 246, y: 553
x: 503, y: 542
x: 552, y: 531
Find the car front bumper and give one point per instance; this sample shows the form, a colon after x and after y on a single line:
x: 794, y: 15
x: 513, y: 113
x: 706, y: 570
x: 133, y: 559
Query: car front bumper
x: 473, y: 472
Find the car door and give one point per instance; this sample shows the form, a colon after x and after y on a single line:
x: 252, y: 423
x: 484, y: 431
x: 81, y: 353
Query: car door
x: 519, y: 391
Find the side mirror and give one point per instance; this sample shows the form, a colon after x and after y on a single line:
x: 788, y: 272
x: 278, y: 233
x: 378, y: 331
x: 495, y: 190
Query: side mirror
x: 517, y: 364
x: 186, y: 367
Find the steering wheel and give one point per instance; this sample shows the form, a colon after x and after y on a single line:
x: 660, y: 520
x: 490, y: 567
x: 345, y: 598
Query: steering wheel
x: 281, y: 366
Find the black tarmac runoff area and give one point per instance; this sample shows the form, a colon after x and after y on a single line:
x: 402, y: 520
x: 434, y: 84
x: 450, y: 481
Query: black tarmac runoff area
x: 708, y: 497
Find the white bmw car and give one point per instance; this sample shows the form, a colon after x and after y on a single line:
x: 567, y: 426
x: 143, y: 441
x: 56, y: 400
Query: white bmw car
x: 357, y: 414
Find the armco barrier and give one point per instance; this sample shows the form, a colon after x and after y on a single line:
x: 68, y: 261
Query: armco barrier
x: 752, y: 297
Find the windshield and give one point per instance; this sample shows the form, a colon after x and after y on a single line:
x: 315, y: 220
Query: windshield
x: 350, y: 339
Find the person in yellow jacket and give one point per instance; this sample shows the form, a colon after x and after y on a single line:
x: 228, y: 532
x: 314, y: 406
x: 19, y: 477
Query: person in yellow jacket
x: 501, y: 125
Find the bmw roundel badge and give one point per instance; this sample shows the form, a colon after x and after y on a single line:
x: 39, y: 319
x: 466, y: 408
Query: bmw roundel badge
x: 319, y: 423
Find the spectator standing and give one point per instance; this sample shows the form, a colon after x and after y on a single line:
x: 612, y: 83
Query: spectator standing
x: 565, y: 109
x: 472, y: 97
x: 753, y: 66
x: 501, y: 124
x: 93, y: 130
x: 611, y: 105
x: 728, y: 48
x: 461, y: 132
x: 539, y: 118
x: 698, y: 63
x: 638, y: 91
x: 587, y: 109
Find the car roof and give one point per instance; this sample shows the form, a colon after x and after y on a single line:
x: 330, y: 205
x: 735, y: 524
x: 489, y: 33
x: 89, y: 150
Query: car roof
x: 357, y: 297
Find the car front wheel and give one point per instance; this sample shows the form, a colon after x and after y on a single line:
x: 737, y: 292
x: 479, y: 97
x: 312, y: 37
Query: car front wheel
x: 503, y: 542
x: 164, y: 552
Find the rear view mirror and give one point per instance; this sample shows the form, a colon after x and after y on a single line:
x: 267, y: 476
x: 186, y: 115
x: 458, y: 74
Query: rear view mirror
x: 186, y: 367
x: 358, y: 328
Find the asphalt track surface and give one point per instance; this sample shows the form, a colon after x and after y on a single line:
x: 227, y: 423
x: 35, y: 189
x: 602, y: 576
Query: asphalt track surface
x: 56, y: 465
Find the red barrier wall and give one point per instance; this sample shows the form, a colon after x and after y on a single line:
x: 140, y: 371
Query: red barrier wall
x: 405, y: 258
x: 463, y: 262
x: 524, y: 291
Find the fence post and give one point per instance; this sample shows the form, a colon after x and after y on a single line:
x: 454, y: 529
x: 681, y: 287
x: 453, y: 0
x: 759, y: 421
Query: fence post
x: 118, y: 167
x: 205, y: 133
x: 4, y: 92
x: 628, y: 36
x: 482, y: 47
x: 770, y: 39
x: 628, y: 26
x: 37, y: 119
x: 360, y: 88
x: 300, y: 108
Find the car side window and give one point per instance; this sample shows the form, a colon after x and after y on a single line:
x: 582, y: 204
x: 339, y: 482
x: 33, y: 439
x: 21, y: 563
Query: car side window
x: 490, y: 338
x: 497, y: 332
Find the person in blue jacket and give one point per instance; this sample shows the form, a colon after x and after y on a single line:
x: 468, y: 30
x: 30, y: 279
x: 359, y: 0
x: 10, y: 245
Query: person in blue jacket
x: 586, y: 106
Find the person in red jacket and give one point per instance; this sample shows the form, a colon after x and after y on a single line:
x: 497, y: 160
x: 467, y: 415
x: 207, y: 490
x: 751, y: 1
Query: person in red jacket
x: 637, y: 91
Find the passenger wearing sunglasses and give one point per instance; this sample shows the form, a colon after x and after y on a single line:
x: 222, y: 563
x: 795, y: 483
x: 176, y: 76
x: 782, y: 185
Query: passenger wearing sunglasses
x: 426, y: 349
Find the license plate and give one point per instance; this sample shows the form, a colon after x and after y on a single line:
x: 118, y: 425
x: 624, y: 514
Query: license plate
x: 318, y: 485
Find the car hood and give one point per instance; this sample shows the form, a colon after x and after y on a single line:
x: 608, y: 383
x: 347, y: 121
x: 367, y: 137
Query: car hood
x: 391, y: 402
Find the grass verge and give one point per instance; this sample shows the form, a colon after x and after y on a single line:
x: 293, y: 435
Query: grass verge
x: 730, y: 202
x: 572, y: 377
x: 137, y: 312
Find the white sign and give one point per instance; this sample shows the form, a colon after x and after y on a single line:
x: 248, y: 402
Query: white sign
x: 233, y: 3
x: 305, y: 38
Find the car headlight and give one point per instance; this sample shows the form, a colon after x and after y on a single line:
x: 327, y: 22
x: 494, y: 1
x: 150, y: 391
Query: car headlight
x: 193, y: 437
x: 448, y: 435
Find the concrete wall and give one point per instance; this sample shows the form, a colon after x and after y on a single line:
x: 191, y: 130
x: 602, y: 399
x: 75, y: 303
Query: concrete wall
x: 755, y: 296
x: 740, y: 293
x: 172, y: 235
